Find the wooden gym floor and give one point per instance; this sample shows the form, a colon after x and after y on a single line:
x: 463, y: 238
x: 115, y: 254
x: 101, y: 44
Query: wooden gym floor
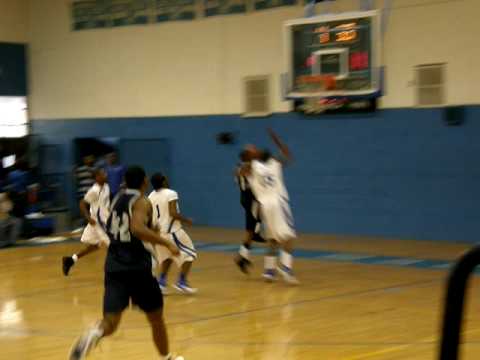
x: 343, y: 309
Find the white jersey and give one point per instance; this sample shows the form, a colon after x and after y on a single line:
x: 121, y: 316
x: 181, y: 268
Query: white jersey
x: 98, y: 198
x: 162, y: 218
x: 266, y: 181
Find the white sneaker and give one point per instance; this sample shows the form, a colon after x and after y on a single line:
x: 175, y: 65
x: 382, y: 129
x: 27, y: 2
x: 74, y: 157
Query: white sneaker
x: 175, y: 357
x: 163, y: 288
x: 85, y: 343
x: 269, y: 275
x: 287, y: 275
x: 184, y: 288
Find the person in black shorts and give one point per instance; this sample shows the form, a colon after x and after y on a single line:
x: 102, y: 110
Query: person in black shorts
x: 128, y: 268
x: 252, y: 219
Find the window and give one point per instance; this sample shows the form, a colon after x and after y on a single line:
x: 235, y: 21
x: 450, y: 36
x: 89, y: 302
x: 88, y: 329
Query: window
x: 430, y: 81
x: 13, y: 116
x: 257, y: 96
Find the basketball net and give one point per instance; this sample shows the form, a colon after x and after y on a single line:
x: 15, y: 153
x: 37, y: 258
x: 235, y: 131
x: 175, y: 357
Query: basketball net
x: 318, y: 84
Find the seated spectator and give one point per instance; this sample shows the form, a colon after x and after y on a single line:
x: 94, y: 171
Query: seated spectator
x: 18, y: 178
x: 9, y: 225
x: 16, y: 185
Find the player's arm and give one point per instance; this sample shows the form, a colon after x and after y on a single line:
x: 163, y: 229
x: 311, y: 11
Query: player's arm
x: 90, y: 197
x: 245, y: 169
x: 285, y: 151
x: 139, y: 227
x: 173, y: 209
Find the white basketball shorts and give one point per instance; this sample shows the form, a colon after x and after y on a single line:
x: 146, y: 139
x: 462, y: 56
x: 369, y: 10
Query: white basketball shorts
x: 183, y: 242
x: 277, y: 220
x: 95, y: 235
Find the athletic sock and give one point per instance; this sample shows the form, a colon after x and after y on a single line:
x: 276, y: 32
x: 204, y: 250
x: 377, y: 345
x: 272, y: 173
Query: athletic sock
x: 244, y: 251
x: 286, y: 259
x: 269, y: 262
x: 75, y: 257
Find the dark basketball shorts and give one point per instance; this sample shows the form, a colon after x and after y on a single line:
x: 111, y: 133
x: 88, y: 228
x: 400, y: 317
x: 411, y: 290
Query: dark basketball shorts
x: 139, y: 287
x: 251, y: 220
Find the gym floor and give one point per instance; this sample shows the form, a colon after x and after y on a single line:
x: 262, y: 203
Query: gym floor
x: 360, y: 298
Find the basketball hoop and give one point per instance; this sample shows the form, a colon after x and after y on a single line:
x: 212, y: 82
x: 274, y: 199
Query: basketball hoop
x: 318, y: 84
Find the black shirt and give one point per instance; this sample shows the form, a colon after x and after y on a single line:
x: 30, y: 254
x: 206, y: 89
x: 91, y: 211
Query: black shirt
x: 126, y: 252
x: 246, y: 194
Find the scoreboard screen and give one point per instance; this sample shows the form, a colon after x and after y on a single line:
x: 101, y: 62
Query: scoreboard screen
x: 344, y: 46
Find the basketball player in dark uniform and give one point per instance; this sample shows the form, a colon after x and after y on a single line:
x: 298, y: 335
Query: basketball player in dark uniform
x: 252, y: 219
x: 128, y: 268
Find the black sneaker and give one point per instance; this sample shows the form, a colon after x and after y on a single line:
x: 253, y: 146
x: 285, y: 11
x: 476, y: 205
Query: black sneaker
x: 243, y: 264
x: 67, y: 263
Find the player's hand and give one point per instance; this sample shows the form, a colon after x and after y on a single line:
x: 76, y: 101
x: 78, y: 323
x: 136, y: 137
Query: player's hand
x: 92, y: 221
x: 173, y: 249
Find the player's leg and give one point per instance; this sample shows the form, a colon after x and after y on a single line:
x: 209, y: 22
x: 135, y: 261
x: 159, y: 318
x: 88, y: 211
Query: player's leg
x: 184, y: 260
x: 69, y: 261
x: 280, y: 228
x: 163, y: 277
x: 270, y: 261
x: 160, y: 335
x: 252, y: 225
x: 91, y: 337
x: 242, y: 259
x: 159, y: 332
x: 115, y: 301
x: 285, y: 267
x: 164, y: 257
x: 183, y: 285
x: 92, y: 237
x: 147, y: 295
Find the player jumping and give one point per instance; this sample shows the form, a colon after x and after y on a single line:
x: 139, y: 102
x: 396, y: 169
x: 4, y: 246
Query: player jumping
x: 265, y: 175
x: 168, y: 220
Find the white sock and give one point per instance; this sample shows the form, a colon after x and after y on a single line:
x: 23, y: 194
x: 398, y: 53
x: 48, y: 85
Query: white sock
x: 99, y: 330
x: 270, y: 262
x: 244, y: 252
x: 286, y: 259
x: 75, y: 257
x: 167, y: 357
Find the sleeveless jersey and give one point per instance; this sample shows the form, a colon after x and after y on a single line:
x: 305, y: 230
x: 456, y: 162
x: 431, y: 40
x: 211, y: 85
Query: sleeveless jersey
x: 126, y: 252
x: 266, y: 181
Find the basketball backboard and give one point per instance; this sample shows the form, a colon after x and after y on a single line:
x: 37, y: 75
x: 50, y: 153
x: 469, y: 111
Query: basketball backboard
x: 345, y: 46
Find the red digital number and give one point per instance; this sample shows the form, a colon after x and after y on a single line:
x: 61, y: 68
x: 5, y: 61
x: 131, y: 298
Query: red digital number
x: 359, y: 61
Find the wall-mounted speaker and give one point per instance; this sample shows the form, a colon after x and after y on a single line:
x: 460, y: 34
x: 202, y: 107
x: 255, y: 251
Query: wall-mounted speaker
x: 454, y: 115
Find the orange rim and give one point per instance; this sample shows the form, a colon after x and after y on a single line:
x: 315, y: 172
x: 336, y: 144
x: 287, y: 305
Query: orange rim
x: 328, y: 81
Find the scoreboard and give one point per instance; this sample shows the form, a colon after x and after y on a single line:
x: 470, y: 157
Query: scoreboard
x: 344, y: 46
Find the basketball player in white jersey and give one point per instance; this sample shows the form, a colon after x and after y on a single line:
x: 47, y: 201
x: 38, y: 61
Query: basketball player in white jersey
x: 168, y: 220
x: 265, y: 175
x: 94, y: 207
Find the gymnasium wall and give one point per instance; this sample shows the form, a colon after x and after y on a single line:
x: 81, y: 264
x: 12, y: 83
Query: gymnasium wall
x: 196, y: 67
x: 14, y: 18
x: 398, y: 173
